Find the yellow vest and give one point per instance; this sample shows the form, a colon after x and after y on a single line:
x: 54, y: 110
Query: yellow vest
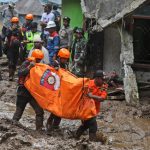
x: 30, y: 37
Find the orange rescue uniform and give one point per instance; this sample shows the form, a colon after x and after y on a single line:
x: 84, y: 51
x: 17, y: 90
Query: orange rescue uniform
x: 98, y: 91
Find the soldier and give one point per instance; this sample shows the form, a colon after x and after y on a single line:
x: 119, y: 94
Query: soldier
x: 66, y: 34
x: 79, y: 53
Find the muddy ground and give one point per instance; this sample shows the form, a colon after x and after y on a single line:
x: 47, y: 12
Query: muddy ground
x: 127, y: 128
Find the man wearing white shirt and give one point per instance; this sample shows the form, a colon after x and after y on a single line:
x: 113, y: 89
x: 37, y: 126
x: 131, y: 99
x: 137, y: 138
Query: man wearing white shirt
x: 46, y: 17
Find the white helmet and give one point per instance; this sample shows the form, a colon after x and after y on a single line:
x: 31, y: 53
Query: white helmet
x: 37, y: 38
x: 50, y: 24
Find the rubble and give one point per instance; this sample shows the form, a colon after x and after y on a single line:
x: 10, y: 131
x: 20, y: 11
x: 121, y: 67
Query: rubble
x: 119, y: 122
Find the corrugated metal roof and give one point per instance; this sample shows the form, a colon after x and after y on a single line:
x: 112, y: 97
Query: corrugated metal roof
x: 29, y: 6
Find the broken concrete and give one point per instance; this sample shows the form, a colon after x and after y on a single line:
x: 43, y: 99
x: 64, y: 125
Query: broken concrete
x: 107, y: 12
x: 127, y: 58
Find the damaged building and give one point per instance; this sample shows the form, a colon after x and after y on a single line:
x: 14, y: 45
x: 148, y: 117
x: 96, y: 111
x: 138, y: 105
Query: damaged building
x: 120, y: 30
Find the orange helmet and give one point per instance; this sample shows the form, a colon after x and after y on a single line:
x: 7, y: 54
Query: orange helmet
x: 38, y: 54
x: 31, y: 58
x: 14, y: 19
x: 64, y: 53
x: 29, y: 17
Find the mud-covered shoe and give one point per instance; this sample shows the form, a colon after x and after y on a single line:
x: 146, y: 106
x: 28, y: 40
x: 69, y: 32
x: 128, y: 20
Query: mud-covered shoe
x: 11, y: 78
x: 49, y: 130
x: 79, y: 132
x: 98, y: 137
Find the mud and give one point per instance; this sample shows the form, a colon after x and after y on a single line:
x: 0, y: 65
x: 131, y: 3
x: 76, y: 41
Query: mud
x: 126, y: 127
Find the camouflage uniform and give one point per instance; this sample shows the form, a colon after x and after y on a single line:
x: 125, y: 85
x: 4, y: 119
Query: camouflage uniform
x: 79, y: 57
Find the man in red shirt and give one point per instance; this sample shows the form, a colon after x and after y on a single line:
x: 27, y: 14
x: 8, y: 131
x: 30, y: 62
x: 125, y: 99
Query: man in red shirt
x: 97, y: 90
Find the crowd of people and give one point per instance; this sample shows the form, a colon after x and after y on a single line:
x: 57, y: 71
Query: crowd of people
x: 55, y: 45
x: 19, y: 40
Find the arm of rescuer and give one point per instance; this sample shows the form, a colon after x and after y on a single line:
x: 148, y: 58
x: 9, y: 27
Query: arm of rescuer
x: 98, y: 96
x: 25, y: 67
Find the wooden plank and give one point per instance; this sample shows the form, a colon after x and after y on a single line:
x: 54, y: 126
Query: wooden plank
x: 120, y: 97
x: 139, y: 66
x: 115, y: 91
x: 141, y: 17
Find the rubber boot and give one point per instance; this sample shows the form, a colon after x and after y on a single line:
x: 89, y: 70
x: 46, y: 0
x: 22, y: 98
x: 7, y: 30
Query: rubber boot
x: 49, y: 123
x: 17, y: 114
x: 56, y: 122
x: 11, y: 74
x: 1, y: 76
x: 97, y: 137
x: 39, y: 123
x: 79, y: 132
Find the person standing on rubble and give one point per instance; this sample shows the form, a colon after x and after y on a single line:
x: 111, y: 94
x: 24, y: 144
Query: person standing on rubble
x: 12, y: 45
x: 66, y: 34
x: 57, y: 17
x: 46, y: 17
x: 62, y: 61
x: 78, y: 64
x: 38, y: 44
x: 7, y: 14
x: 27, y: 26
x: 29, y: 37
x: 97, y: 90
x: 53, y: 41
x: 23, y: 96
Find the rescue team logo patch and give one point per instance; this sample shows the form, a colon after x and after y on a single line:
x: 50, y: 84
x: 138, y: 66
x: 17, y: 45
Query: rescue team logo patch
x: 50, y: 80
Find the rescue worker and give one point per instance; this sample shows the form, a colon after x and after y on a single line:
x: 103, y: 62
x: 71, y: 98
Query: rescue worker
x: 23, y: 96
x: 14, y: 37
x: 97, y: 90
x: 38, y: 44
x: 62, y: 62
x: 66, y: 34
x: 7, y: 14
x: 53, y: 41
x: 28, y: 24
x: 30, y: 36
x: 26, y: 27
x: 78, y: 67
